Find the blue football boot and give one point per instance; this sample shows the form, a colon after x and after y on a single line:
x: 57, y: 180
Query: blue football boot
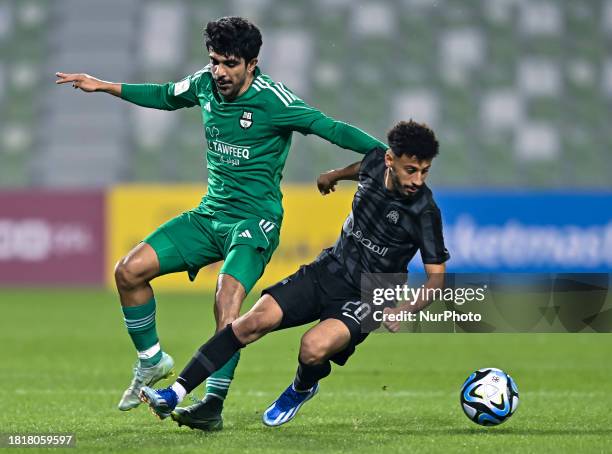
x: 161, y: 401
x: 287, y: 405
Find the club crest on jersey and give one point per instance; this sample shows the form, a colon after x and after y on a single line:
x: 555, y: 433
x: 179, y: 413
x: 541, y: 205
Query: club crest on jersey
x: 393, y: 216
x: 246, y: 120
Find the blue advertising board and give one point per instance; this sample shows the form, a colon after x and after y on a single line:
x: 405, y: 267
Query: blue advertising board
x: 489, y: 231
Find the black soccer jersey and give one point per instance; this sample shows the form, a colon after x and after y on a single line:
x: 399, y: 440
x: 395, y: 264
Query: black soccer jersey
x: 384, y: 230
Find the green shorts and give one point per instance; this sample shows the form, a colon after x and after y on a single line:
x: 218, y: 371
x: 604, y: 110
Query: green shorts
x: 193, y: 240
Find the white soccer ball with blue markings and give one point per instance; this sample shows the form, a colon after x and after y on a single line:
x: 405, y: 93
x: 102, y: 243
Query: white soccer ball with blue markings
x: 489, y: 396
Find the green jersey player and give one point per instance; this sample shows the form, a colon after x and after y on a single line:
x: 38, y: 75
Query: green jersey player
x: 248, y: 121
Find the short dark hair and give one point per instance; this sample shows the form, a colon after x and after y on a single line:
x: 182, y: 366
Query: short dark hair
x: 413, y: 139
x: 233, y: 36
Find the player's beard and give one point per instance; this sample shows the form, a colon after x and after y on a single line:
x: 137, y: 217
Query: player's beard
x: 397, y: 185
x: 235, y: 89
x: 228, y: 91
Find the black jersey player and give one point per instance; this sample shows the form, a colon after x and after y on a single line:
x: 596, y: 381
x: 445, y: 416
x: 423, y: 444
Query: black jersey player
x: 393, y: 216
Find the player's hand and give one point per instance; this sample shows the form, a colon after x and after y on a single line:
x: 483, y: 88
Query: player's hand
x: 85, y: 82
x: 327, y: 182
x: 391, y: 326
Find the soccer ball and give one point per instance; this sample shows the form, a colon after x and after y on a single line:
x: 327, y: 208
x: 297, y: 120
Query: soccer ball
x: 489, y: 396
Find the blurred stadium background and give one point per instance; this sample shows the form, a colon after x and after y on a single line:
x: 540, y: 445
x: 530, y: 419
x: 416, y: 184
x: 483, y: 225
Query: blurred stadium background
x: 519, y: 93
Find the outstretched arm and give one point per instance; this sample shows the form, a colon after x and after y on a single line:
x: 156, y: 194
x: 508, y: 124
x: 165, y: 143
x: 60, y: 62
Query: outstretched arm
x: 299, y: 116
x: 343, y: 134
x: 88, y: 83
x: 168, y: 96
x: 327, y: 180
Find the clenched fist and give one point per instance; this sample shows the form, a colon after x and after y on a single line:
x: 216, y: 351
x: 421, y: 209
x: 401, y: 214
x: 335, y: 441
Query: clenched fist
x: 327, y: 182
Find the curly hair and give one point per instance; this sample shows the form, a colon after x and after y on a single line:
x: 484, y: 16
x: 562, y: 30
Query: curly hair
x: 413, y: 139
x: 233, y: 36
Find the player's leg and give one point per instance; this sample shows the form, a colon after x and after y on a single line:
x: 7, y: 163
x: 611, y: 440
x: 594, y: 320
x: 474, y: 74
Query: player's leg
x: 248, y: 247
x: 157, y: 255
x: 317, y: 346
x: 243, y: 265
x: 265, y: 316
x: 133, y: 274
x: 292, y: 302
x: 242, y: 268
x: 229, y: 295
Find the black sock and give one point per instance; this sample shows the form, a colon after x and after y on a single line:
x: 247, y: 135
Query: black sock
x: 209, y: 357
x: 307, y: 375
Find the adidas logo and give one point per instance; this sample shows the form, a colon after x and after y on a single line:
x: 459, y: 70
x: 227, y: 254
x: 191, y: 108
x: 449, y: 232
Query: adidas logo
x: 207, y: 106
x: 245, y: 234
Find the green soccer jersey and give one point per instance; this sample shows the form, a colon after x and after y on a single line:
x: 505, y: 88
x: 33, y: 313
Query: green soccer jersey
x: 248, y: 138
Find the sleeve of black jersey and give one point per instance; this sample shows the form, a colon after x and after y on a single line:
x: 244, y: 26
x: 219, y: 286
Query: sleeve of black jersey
x: 432, y: 247
x: 372, y: 160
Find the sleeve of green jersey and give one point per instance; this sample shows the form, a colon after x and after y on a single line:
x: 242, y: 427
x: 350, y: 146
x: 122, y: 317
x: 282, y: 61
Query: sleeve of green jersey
x: 170, y: 96
x: 299, y: 116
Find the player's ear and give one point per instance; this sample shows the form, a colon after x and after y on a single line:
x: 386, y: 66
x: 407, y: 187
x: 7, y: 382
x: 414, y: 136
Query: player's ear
x: 388, y: 158
x: 251, y: 65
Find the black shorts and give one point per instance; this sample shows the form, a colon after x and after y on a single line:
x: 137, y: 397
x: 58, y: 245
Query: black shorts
x: 317, y: 292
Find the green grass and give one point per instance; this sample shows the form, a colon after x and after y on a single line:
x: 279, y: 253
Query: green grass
x: 67, y: 359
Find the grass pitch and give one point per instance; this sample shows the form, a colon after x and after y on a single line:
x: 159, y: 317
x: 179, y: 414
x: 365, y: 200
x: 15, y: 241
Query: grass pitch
x: 67, y: 358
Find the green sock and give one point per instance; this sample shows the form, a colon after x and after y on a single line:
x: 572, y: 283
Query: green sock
x: 140, y: 322
x: 218, y: 383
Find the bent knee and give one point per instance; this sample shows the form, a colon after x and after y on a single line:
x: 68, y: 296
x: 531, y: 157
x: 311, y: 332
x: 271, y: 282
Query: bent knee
x: 127, y: 275
x: 313, y: 350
